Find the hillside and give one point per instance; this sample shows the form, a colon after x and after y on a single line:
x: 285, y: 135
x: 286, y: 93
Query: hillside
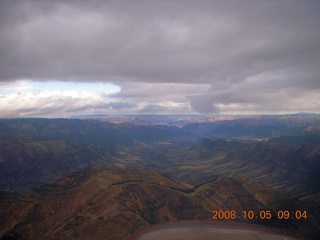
x: 39, y: 151
x: 98, y: 203
x: 289, y: 169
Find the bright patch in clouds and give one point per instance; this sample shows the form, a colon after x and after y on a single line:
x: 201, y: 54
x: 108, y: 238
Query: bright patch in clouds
x: 29, y: 85
x: 106, y: 88
x: 51, y: 99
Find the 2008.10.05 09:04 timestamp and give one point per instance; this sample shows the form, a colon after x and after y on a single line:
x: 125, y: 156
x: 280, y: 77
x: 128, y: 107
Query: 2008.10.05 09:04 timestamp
x: 262, y: 214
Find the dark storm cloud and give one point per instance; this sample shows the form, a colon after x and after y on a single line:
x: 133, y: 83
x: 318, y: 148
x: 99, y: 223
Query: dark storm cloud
x: 204, y: 104
x: 240, y: 48
x: 152, y: 109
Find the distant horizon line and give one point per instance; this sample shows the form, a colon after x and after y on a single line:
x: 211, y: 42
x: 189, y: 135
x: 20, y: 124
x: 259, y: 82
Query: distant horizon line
x: 99, y: 115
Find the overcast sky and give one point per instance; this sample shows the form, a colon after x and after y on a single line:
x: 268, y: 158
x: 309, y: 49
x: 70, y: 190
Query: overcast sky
x: 70, y: 57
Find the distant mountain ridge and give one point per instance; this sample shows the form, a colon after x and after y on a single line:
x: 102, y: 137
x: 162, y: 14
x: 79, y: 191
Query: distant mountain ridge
x: 88, y: 131
x: 103, y: 133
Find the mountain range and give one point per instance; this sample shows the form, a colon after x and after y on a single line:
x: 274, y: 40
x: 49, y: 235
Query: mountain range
x: 154, y: 171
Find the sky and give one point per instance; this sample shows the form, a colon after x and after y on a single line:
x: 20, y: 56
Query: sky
x: 69, y: 57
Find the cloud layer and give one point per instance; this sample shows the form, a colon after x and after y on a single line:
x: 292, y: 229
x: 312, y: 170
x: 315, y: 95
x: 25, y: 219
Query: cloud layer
x: 168, y: 56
